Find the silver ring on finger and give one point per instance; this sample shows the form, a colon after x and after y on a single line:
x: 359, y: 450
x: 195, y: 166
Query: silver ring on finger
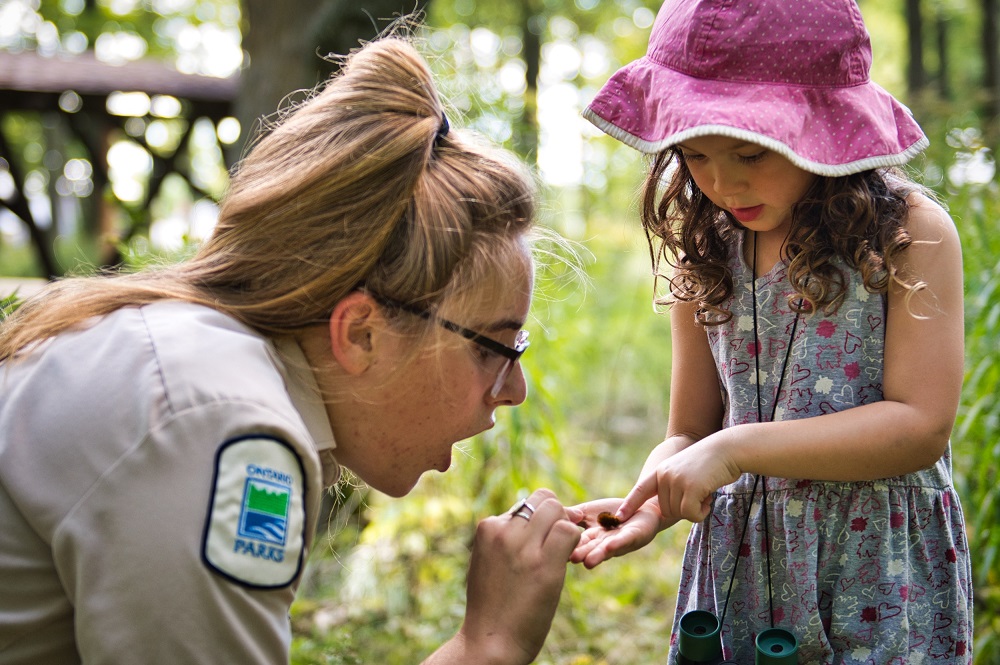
x: 522, y: 509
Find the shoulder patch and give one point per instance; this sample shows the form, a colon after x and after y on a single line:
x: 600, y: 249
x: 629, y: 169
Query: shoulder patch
x: 255, y: 527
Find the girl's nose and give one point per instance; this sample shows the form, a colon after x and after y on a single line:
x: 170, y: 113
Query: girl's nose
x: 727, y: 181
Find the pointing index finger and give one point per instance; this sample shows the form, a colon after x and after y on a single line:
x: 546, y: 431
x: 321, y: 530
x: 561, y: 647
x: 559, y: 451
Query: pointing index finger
x: 644, y: 490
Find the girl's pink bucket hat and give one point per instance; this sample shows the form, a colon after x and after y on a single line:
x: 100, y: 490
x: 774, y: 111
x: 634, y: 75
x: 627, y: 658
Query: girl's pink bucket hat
x: 791, y: 76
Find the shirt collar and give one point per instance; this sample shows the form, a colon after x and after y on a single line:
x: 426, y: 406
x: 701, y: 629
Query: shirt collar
x: 308, y: 401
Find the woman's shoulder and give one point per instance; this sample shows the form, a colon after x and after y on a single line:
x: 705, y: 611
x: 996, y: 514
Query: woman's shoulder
x: 205, y: 354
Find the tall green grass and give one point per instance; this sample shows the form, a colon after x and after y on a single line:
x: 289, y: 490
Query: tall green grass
x: 977, y: 432
x: 956, y: 145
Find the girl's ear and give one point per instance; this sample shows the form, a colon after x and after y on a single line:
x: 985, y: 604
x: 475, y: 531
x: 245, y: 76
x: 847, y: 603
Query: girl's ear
x: 353, y: 326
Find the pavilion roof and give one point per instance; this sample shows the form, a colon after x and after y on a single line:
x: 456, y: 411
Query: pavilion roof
x: 32, y: 81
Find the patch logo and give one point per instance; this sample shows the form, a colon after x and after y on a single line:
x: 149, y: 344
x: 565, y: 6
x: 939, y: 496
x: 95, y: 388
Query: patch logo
x: 254, y: 531
x: 265, y: 511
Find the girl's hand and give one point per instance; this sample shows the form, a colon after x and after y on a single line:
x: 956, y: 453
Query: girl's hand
x: 598, y: 544
x: 515, y: 577
x: 684, y: 483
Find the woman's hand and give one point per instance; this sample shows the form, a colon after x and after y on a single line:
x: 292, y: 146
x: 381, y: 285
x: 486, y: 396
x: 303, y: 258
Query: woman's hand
x: 598, y: 544
x: 515, y: 578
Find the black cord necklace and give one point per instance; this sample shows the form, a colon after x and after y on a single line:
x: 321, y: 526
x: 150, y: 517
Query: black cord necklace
x: 760, y: 479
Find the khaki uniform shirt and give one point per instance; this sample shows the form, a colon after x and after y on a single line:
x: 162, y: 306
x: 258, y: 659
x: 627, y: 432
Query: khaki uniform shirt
x: 160, y: 477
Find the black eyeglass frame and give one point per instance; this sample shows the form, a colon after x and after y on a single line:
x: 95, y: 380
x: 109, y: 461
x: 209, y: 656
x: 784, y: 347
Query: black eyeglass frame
x: 512, y: 354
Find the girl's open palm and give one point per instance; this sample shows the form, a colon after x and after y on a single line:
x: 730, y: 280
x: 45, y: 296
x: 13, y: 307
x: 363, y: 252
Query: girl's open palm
x: 598, y: 544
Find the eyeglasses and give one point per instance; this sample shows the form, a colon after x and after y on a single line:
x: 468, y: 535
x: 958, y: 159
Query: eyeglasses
x: 508, y: 355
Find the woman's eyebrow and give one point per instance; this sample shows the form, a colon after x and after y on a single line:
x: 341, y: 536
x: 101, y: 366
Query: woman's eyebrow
x: 497, y: 326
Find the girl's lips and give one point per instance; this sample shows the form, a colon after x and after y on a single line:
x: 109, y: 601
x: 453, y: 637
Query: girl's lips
x: 747, y: 214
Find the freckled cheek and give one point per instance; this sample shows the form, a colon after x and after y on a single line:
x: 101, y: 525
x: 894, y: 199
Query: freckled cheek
x: 404, y: 446
x: 447, y: 400
x: 459, y: 383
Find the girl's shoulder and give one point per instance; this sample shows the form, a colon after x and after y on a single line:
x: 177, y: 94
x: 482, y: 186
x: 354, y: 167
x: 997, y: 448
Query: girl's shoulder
x: 927, y: 220
x: 930, y: 265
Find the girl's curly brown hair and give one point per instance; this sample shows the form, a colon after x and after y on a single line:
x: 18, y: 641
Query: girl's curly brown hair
x: 858, y: 219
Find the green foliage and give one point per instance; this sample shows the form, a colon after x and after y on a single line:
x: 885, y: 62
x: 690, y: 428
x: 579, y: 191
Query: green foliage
x: 157, y: 28
x: 82, y: 202
x: 8, y: 304
x: 976, y: 209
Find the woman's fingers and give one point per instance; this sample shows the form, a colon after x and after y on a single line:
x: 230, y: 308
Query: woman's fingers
x: 517, y: 573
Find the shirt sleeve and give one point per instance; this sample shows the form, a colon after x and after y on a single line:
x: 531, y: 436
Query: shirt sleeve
x: 189, y: 549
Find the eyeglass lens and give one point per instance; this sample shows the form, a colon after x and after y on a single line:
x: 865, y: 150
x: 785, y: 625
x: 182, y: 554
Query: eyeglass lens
x: 520, y: 344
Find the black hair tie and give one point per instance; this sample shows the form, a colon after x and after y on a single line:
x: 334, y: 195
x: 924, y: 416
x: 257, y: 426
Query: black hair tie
x: 442, y: 130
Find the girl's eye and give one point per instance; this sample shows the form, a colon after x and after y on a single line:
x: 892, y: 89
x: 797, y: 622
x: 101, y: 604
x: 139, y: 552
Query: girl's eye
x: 691, y: 156
x: 754, y: 158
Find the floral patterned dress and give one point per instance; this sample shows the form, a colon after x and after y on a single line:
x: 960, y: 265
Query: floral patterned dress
x: 873, y: 573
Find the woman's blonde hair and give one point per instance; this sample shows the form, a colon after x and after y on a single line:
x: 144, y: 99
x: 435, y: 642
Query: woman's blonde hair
x: 360, y: 185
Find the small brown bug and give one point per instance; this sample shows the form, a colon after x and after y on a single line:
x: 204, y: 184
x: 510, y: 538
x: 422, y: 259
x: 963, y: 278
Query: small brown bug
x: 608, y: 521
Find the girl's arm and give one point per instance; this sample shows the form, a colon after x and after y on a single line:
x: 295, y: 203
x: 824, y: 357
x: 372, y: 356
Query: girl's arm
x: 696, y: 409
x: 906, y: 432
x: 695, y: 412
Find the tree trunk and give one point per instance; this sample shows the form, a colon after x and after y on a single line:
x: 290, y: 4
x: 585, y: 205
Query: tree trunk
x: 532, y: 25
x: 944, y: 61
x: 276, y: 58
x: 286, y: 48
x: 916, y: 76
x: 991, y: 66
x: 18, y: 204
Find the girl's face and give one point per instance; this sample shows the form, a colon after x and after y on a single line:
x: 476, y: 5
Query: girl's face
x: 417, y: 408
x: 756, y: 186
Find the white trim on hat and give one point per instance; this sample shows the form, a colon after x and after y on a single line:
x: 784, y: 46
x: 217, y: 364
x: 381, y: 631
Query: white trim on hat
x: 829, y: 170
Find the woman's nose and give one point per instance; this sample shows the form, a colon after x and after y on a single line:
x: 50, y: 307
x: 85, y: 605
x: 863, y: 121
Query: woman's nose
x: 514, y: 389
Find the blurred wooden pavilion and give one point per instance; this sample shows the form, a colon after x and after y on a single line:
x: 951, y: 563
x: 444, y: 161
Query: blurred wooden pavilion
x: 71, y: 95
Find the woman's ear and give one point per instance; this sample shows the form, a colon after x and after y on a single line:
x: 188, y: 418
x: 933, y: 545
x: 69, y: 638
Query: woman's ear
x: 353, y: 325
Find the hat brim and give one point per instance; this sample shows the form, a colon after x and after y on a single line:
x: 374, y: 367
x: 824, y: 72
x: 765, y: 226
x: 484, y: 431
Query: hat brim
x: 824, y: 130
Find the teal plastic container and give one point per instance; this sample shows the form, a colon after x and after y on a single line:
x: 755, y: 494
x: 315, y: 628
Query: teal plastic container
x: 699, y: 640
x: 777, y: 646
